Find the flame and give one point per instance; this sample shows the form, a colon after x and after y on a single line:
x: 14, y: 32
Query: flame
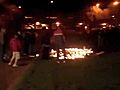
x: 72, y: 53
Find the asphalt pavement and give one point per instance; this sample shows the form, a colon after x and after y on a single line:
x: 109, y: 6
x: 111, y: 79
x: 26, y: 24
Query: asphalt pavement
x: 9, y: 76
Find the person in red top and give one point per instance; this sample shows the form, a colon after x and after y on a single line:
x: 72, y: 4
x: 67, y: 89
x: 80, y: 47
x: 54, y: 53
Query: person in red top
x: 59, y: 43
x: 15, y: 47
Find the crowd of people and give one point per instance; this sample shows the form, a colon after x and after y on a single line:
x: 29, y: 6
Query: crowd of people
x: 30, y: 42
x: 27, y: 43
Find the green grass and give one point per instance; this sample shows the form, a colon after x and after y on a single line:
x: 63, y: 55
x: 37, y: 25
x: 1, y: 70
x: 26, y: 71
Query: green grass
x: 91, y: 73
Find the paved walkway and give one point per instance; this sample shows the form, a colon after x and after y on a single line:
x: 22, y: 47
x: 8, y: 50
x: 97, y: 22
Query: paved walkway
x: 9, y: 76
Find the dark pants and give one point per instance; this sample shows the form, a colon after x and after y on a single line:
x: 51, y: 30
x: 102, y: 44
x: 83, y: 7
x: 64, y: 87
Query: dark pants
x: 26, y: 48
x: 3, y: 52
x: 45, y: 53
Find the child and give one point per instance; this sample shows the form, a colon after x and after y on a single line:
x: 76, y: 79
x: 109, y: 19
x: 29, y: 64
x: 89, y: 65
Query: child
x: 15, y: 47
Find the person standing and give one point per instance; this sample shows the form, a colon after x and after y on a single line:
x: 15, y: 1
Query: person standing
x: 15, y: 47
x: 26, y: 42
x: 59, y: 43
x: 45, y: 41
x: 32, y: 43
x: 2, y: 43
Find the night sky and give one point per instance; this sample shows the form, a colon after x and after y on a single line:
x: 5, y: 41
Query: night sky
x: 65, y: 6
x: 57, y: 5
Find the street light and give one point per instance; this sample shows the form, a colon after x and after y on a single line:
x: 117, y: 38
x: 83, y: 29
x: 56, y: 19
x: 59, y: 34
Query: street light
x: 51, y: 1
x: 97, y: 5
x: 113, y: 16
x: 116, y: 3
x: 80, y: 24
x: 37, y: 23
x: 58, y: 24
x: 19, y: 7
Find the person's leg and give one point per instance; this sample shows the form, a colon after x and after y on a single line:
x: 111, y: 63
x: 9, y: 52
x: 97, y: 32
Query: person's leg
x: 58, y: 56
x: 43, y: 52
x: 17, y: 57
x: 0, y: 52
x: 12, y: 58
x: 46, y: 53
x: 64, y: 54
x: 30, y: 49
x: 26, y: 48
x: 58, y: 53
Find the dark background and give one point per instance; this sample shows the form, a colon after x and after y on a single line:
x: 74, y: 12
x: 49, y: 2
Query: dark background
x: 64, y: 6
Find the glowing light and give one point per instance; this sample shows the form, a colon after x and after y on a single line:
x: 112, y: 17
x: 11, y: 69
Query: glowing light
x: 97, y: 5
x: 19, y: 7
x: 32, y: 26
x: 28, y: 17
x: 104, y: 24
x: 86, y: 27
x: 37, y: 55
x: 47, y: 28
x: 37, y: 23
x: 113, y: 16
x: 80, y: 23
x: 51, y: 1
x: 58, y: 23
x: 104, y: 27
x: 109, y: 26
x: 72, y: 53
x: 116, y: 3
x: 43, y: 25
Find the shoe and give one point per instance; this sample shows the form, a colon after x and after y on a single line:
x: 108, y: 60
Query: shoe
x: 15, y: 65
x: 9, y: 64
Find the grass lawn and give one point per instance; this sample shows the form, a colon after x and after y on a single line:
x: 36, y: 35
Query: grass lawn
x: 91, y: 73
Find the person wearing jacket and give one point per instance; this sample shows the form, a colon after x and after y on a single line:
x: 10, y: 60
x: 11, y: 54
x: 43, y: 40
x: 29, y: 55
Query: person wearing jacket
x: 15, y: 47
x: 59, y: 43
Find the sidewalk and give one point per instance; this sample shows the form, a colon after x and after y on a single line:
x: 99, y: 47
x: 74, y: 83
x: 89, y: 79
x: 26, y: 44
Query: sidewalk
x: 9, y: 76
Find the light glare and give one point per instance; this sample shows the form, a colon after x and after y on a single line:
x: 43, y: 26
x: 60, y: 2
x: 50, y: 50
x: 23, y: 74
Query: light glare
x: 51, y: 1
x: 115, y: 3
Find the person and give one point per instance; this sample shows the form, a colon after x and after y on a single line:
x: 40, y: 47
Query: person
x: 20, y: 37
x: 32, y: 43
x: 59, y: 43
x: 45, y: 41
x: 100, y: 40
x: 2, y: 43
x: 15, y: 47
x: 26, y: 42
